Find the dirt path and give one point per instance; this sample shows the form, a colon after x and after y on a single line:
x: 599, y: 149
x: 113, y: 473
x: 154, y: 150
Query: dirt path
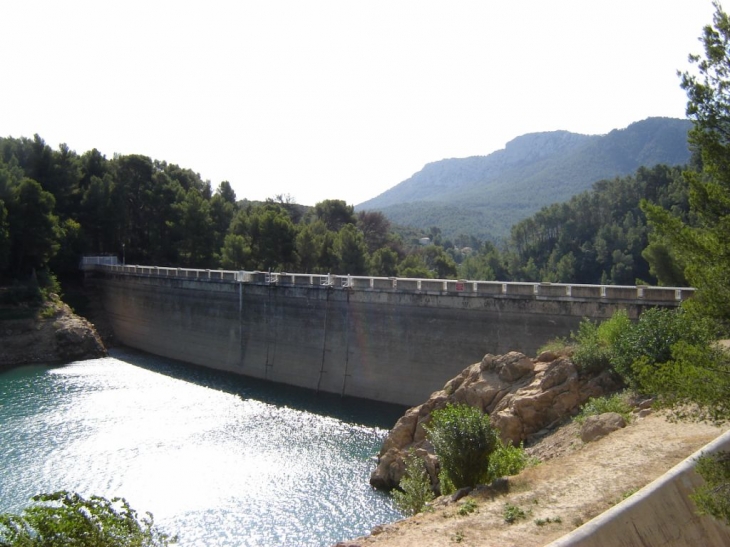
x: 582, y: 481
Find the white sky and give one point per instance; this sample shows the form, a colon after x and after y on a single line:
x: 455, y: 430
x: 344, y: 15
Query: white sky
x: 334, y: 99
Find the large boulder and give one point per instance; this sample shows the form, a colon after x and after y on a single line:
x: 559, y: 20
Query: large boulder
x: 596, y: 427
x: 76, y: 338
x: 51, y: 334
x: 521, y: 395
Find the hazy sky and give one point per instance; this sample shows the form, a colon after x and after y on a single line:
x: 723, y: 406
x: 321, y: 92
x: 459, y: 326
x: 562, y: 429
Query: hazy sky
x: 334, y: 99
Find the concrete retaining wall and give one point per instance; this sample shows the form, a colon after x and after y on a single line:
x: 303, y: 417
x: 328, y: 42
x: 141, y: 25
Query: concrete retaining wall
x: 661, y: 514
x: 395, y: 345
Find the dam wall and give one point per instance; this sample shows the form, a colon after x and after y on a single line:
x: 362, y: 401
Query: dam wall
x: 384, y: 339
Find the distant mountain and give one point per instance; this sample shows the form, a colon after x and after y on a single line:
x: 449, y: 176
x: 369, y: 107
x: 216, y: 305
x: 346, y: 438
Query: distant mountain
x: 485, y: 195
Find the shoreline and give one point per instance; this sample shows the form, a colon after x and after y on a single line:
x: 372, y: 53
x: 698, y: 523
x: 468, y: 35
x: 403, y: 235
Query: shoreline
x: 49, y: 334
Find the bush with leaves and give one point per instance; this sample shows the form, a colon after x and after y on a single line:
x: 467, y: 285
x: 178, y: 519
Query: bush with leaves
x: 667, y: 353
x: 639, y: 350
x: 464, y: 440
x: 713, y: 497
x: 594, y: 342
x: 415, y: 486
x: 508, y: 460
x: 599, y: 405
x: 64, y: 518
x: 559, y: 346
x: 513, y: 513
x: 694, y: 383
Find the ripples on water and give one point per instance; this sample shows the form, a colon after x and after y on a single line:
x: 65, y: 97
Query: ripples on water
x: 219, y: 459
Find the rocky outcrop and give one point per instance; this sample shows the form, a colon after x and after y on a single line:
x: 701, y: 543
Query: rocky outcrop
x: 522, y: 396
x: 597, y: 427
x: 51, y: 334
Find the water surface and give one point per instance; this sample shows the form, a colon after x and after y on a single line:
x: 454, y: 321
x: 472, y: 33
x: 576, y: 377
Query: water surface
x: 219, y: 459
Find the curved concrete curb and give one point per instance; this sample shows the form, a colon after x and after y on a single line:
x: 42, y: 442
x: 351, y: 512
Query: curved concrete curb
x: 660, y: 514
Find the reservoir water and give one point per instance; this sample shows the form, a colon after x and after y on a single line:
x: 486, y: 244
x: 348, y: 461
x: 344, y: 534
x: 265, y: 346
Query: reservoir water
x: 219, y: 459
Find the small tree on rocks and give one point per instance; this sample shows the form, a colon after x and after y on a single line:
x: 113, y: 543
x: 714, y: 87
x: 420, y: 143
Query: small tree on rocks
x: 463, y: 439
x: 415, y: 486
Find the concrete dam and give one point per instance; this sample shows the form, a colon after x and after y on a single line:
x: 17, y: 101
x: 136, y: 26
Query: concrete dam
x: 386, y: 339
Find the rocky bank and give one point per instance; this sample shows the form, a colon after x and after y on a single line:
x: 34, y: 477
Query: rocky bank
x: 50, y: 334
x: 524, y: 397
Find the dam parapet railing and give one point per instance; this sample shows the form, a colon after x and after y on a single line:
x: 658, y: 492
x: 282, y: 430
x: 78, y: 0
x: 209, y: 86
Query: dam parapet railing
x: 666, y: 296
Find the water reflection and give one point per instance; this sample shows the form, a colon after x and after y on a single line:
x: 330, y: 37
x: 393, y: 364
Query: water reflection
x: 349, y: 409
x: 220, y: 459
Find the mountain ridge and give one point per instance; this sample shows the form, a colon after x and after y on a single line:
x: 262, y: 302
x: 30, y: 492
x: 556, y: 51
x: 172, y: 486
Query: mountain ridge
x: 495, y: 191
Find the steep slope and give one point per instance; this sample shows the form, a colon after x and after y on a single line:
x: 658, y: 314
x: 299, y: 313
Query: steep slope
x: 486, y: 195
x: 575, y: 483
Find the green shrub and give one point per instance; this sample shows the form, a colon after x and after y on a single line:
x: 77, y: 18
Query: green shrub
x: 614, y: 327
x: 594, y: 343
x: 468, y: 507
x: 48, y: 284
x: 589, y: 354
x: 512, y: 513
x: 65, y: 518
x: 695, y: 384
x: 599, y: 405
x: 667, y: 353
x: 507, y: 460
x: 464, y: 440
x: 649, y: 342
x: 556, y: 345
x: 415, y: 486
x: 713, y: 497
x: 445, y: 485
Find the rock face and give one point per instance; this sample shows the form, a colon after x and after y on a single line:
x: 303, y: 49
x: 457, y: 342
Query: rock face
x: 55, y: 335
x: 521, y: 395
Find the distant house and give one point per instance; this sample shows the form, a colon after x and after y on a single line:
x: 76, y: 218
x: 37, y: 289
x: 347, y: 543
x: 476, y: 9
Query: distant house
x: 425, y: 241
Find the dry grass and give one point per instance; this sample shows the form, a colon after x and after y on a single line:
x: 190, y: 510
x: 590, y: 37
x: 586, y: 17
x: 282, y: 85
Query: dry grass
x: 575, y: 483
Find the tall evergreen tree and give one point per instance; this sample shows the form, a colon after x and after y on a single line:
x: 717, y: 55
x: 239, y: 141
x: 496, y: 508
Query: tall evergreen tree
x: 34, y: 228
x: 351, y: 251
x: 703, y: 245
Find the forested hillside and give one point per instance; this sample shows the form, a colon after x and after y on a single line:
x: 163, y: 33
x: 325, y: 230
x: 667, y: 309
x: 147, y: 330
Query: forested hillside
x: 57, y: 205
x: 484, y: 196
x: 598, y: 236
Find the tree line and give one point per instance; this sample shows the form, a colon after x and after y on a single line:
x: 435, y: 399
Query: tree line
x: 598, y: 236
x: 56, y: 205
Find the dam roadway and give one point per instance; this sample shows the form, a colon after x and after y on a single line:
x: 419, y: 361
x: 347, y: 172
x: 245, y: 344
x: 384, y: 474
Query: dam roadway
x: 386, y: 339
